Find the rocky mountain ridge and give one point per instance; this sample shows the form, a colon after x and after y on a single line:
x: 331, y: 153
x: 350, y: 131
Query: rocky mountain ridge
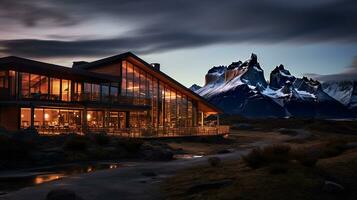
x: 241, y: 88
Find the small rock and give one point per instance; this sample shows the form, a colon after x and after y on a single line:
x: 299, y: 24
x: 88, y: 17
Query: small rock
x: 332, y: 187
x: 62, y: 194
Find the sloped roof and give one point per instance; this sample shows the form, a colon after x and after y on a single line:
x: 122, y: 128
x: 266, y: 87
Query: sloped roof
x: 32, y: 66
x: 152, y: 70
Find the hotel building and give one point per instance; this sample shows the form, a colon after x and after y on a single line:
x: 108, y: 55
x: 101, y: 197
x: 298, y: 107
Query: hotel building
x: 121, y: 95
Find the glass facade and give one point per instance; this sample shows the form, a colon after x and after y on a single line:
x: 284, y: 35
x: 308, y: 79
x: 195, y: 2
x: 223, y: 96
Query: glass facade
x: 169, y: 108
x: 52, y: 119
x: 165, y: 106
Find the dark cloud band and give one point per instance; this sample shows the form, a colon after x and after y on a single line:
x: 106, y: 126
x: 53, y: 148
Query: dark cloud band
x: 162, y: 25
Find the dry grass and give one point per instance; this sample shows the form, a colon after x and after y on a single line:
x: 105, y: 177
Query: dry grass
x: 277, y: 180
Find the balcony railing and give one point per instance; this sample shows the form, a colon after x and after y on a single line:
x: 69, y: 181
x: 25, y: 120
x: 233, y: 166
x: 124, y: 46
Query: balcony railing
x: 143, y: 132
x: 165, y: 132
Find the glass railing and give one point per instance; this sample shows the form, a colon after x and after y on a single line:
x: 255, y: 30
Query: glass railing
x: 165, y: 132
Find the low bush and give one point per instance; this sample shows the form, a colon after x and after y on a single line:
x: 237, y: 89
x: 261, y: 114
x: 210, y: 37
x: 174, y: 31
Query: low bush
x: 254, y: 159
x: 14, y: 149
x: 214, y: 161
x: 307, y: 158
x: 334, y: 148
x: 101, y: 139
x: 130, y: 144
x: 272, y: 154
x: 76, y: 143
x: 278, y: 168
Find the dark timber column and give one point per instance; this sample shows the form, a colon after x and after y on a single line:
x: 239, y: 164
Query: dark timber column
x: 32, y: 124
x: 84, y: 121
x: 127, y: 119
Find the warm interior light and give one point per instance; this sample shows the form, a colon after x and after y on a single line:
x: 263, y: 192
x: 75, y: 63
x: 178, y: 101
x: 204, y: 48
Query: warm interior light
x: 22, y: 116
x: 89, y: 116
x: 47, y: 115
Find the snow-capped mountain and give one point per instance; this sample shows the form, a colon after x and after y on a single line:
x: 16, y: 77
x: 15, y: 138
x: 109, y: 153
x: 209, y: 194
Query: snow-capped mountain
x: 343, y: 91
x: 241, y: 88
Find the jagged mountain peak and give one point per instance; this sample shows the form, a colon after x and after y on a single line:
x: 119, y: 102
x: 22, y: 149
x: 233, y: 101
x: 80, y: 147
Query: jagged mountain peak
x: 234, y: 65
x: 241, y: 88
x: 217, y: 69
x: 253, y: 59
x: 194, y: 87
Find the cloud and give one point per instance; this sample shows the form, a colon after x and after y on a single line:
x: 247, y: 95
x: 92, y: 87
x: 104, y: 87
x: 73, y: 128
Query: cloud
x: 161, y: 25
x: 349, y: 75
x: 33, y: 13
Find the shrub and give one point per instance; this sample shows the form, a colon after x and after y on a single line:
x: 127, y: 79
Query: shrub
x: 130, y: 144
x: 306, y: 158
x: 277, y: 153
x: 272, y: 154
x: 334, y: 148
x: 214, y: 161
x: 101, y: 139
x: 76, y: 143
x: 14, y: 149
x: 278, y: 168
x: 255, y: 158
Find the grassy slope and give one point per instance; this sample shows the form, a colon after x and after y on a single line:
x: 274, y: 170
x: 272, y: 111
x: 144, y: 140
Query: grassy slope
x: 298, y: 182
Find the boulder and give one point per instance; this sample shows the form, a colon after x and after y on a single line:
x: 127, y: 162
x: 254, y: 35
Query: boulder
x: 62, y: 194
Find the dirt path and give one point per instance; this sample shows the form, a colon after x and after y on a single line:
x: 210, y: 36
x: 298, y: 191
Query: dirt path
x: 134, y: 181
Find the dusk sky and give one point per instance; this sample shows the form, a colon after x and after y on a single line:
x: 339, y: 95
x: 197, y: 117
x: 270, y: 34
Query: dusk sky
x: 187, y: 37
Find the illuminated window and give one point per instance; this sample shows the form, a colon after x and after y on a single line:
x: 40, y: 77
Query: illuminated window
x: 95, y: 92
x: 124, y: 78
x: 25, y: 85
x: 25, y: 117
x: 55, y: 88
x: 66, y: 90
x: 35, y: 83
x: 3, y: 79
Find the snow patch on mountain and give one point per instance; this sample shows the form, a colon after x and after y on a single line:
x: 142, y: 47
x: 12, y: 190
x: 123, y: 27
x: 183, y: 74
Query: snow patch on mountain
x: 340, y: 90
x: 241, y: 88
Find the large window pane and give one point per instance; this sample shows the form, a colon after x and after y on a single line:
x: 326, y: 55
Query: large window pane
x: 129, y: 79
x: 77, y: 87
x: 66, y: 90
x: 44, y: 87
x: 3, y: 79
x: 87, y: 91
x: 114, y: 91
x: 51, y: 117
x: 35, y: 83
x: 136, y: 87
x: 12, y: 82
x: 95, y: 92
x: 25, y: 85
x: 124, y: 78
x: 105, y: 92
x: 173, y: 108
x: 38, y: 118
x: 55, y: 87
x: 25, y: 117
x: 143, y: 82
x: 95, y: 119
